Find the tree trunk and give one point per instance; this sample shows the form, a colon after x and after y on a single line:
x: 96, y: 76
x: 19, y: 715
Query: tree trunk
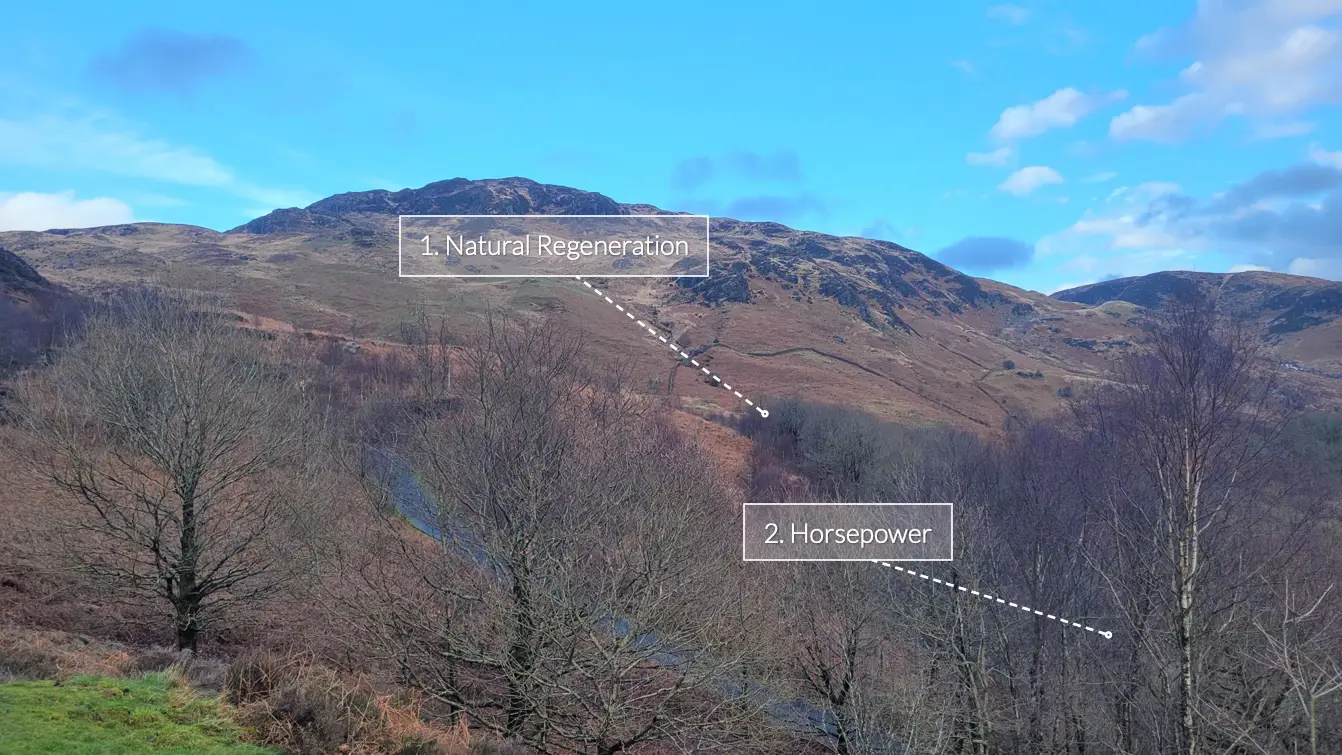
x: 187, y: 604
x: 1187, y: 576
x: 520, y: 654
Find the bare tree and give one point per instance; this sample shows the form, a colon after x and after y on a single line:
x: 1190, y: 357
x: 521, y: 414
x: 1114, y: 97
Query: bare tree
x: 184, y: 451
x: 1194, y: 412
x: 1303, y: 647
x: 577, y: 594
x: 844, y: 633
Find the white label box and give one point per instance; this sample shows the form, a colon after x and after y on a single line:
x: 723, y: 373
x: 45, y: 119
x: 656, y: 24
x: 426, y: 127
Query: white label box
x: 848, y: 532
x: 553, y: 246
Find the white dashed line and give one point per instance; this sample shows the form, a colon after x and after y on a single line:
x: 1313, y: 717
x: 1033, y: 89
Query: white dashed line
x: 1105, y: 634
x: 675, y: 347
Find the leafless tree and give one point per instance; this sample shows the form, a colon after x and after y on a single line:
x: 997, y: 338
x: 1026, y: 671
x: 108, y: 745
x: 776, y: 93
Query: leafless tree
x: 1194, y: 412
x: 1303, y: 646
x: 185, y: 454
x: 577, y: 593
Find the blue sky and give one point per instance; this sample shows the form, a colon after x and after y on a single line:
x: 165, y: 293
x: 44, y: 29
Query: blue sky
x: 1045, y: 144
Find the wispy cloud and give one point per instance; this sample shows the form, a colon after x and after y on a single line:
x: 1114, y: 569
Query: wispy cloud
x: 1262, y: 61
x: 1288, y: 219
x: 997, y: 158
x: 102, y: 143
x: 99, y: 143
x: 1062, y: 109
x: 1324, y: 157
x: 34, y: 211
x: 1027, y: 180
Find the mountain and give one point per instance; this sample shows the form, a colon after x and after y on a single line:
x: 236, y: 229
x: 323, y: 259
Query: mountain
x: 1292, y: 303
x: 1301, y: 318
x: 785, y: 311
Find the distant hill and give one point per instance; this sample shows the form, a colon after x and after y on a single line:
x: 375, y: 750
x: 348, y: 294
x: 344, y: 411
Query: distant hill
x: 785, y: 312
x: 1284, y: 303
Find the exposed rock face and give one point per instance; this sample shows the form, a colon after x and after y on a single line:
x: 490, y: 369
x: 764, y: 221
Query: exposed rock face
x: 457, y: 196
x: 879, y: 279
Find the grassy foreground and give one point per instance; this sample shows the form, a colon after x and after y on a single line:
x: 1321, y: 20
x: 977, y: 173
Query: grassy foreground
x: 100, y: 716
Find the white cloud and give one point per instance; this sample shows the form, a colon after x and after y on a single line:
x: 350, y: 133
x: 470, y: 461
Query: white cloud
x: 997, y: 158
x: 1012, y: 14
x: 1099, y: 178
x: 1260, y: 61
x: 1323, y: 157
x: 1288, y: 219
x: 98, y: 143
x: 1118, y: 225
x: 1160, y: 123
x: 1026, y: 180
x: 101, y: 143
x: 1124, y: 232
x: 1115, y: 243
x: 1062, y: 109
x: 1247, y: 269
x: 1316, y: 267
x: 33, y: 211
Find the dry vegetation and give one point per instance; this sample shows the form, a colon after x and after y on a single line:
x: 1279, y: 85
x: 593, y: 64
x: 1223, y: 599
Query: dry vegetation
x: 483, y: 539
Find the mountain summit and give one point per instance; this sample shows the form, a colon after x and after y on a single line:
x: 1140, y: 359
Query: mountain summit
x: 456, y: 196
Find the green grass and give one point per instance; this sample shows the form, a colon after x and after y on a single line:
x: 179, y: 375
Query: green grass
x: 98, y: 716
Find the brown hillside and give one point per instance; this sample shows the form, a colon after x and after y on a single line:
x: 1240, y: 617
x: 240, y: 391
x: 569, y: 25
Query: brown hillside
x: 863, y: 322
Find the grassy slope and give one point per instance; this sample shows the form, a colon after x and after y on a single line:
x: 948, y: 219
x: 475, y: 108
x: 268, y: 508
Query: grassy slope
x: 89, y: 715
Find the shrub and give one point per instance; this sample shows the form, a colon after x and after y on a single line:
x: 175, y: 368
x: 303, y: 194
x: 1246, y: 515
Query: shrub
x: 254, y: 676
x: 1065, y: 391
x: 419, y: 747
x: 305, y: 709
x: 1007, y: 364
x: 314, y: 713
x: 26, y: 662
x: 152, y: 660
